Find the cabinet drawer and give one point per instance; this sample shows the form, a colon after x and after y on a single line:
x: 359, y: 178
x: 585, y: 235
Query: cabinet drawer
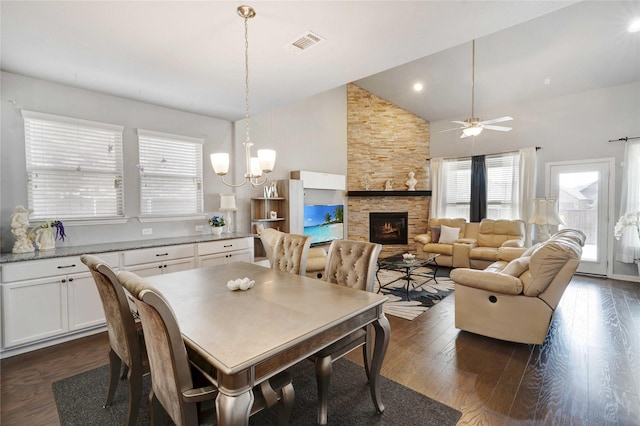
x: 158, y: 254
x: 213, y: 247
x: 51, y: 267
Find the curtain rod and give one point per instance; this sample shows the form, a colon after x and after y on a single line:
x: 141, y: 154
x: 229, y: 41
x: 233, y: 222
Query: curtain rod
x: 538, y: 148
x: 625, y: 139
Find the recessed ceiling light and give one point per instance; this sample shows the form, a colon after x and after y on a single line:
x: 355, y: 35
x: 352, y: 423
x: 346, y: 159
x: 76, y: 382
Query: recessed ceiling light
x: 635, y: 26
x: 418, y: 87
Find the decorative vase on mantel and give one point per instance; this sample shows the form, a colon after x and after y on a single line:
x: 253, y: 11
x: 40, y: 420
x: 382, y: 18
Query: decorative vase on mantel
x: 217, y: 230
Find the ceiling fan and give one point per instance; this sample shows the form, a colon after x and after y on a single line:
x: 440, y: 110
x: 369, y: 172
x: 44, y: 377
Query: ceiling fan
x: 473, y: 126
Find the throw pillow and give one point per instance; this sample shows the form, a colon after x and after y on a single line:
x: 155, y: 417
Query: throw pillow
x: 448, y: 235
x: 435, y: 234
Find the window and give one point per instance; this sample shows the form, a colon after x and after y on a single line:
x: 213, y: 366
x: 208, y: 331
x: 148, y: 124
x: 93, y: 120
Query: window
x: 457, y: 182
x: 74, y: 167
x: 170, y: 174
x: 502, y: 186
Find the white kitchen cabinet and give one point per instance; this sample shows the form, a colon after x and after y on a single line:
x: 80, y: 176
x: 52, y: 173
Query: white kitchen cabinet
x: 225, y: 251
x: 42, y: 299
x: 159, y: 260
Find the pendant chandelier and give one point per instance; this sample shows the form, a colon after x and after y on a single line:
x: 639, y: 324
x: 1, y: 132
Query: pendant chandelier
x: 264, y: 162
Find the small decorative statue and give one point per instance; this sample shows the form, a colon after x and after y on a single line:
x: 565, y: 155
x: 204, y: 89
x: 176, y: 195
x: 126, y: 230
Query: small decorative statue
x: 19, y: 227
x: 366, y: 182
x: 274, y: 190
x: 411, y: 183
x: 388, y: 186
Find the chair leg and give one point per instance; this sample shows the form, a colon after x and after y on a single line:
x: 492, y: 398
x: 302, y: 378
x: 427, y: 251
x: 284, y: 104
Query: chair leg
x: 365, y: 358
x: 156, y: 408
x: 285, y: 405
x: 114, y: 371
x: 125, y: 371
x: 323, y: 375
x: 135, y: 394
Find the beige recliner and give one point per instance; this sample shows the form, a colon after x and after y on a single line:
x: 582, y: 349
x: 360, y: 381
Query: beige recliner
x: 515, y: 300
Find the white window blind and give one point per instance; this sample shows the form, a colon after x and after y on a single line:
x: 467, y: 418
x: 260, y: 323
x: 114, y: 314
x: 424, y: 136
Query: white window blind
x: 74, y: 167
x: 502, y: 185
x: 170, y: 174
x: 457, y: 174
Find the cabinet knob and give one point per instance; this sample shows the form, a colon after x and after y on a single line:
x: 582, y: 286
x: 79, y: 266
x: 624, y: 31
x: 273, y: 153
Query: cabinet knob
x: 64, y: 280
x: 70, y: 279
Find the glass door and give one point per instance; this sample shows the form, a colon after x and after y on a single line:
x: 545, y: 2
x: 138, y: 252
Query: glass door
x: 582, y: 189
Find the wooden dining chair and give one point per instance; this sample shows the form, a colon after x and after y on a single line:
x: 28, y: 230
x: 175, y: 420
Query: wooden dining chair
x: 179, y: 384
x: 126, y: 339
x: 290, y: 253
x: 351, y: 264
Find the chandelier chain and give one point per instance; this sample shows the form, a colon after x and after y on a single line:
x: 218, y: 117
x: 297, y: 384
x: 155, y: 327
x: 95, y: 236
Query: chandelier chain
x: 246, y: 78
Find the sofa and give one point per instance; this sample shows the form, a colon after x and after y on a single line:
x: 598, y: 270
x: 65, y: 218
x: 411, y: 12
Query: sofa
x: 515, y: 299
x: 474, y: 245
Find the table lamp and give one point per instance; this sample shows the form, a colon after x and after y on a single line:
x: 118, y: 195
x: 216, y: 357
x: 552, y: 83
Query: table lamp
x: 545, y: 214
x: 228, y: 205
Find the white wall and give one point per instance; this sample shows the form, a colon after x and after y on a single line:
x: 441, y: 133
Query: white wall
x: 308, y: 135
x: 572, y: 127
x: 43, y: 96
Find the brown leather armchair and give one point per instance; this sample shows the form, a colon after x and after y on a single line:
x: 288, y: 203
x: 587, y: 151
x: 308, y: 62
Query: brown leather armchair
x: 515, y: 300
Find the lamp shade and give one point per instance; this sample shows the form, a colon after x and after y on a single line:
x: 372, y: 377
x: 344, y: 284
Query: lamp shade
x: 546, y: 212
x: 228, y: 202
x: 220, y: 163
x: 267, y: 159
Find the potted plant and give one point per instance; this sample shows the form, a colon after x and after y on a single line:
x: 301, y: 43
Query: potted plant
x: 216, y: 223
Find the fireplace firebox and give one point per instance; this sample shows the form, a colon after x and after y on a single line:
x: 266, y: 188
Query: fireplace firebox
x: 389, y: 228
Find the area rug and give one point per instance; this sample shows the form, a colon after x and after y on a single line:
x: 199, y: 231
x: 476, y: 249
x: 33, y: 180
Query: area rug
x: 79, y: 400
x: 423, y: 295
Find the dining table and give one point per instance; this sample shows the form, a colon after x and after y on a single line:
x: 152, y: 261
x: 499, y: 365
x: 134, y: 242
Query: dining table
x: 248, y: 336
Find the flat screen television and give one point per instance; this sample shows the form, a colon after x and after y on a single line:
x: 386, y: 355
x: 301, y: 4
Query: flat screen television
x: 324, y: 222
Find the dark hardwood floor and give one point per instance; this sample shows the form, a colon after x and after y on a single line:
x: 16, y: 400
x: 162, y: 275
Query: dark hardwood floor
x: 586, y: 373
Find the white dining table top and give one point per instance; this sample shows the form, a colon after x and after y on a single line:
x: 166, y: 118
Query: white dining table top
x: 234, y: 330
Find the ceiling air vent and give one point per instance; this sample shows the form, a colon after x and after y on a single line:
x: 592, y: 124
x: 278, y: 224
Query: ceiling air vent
x: 303, y: 42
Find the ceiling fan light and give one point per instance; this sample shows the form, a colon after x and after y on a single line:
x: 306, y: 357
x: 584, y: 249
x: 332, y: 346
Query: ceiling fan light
x: 472, y: 131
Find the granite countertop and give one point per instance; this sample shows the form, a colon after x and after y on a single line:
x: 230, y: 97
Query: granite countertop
x: 119, y: 246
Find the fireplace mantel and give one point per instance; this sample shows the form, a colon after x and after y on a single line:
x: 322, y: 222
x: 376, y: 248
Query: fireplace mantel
x: 389, y: 193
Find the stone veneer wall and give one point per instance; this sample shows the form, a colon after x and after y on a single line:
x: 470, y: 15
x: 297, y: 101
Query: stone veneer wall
x: 384, y: 142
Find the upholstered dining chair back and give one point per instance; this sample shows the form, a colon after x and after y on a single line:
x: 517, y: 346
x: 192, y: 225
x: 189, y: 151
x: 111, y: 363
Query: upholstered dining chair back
x: 290, y: 253
x: 268, y: 238
x: 352, y: 263
x: 168, y: 359
x: 126, y: 340
x: 179, y: 383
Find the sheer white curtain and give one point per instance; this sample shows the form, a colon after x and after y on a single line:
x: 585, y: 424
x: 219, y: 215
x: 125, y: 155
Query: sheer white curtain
x: 629, y: 247
x: 438, y: 198
x: 527, y: 190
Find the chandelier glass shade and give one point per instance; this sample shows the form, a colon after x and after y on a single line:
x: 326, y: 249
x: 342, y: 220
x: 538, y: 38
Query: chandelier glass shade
x: 255, y: 167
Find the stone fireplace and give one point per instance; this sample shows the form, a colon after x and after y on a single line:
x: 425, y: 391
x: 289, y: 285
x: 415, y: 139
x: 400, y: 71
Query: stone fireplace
x: 388, y: 227
x: 384, y: 144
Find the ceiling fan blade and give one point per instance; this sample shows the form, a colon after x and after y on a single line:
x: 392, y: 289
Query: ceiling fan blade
x: 497, y: 120
x: 500, y: 128
x: 464, y: 135
x: 448, y: 130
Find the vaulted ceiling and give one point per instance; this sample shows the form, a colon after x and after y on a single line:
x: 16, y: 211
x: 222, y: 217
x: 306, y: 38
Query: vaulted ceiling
x: 190, y: 55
